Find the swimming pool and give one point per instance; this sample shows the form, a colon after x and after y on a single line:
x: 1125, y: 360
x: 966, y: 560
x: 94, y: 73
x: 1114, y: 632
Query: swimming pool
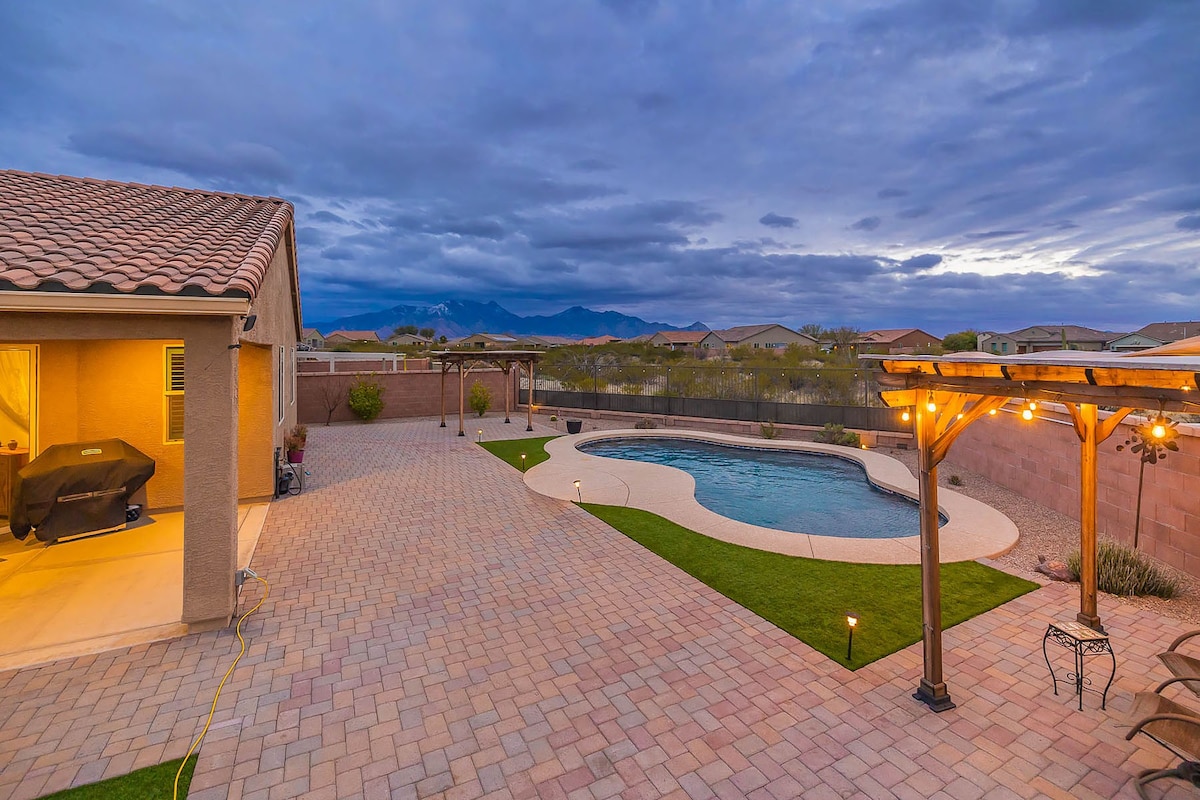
x: 782, y: 489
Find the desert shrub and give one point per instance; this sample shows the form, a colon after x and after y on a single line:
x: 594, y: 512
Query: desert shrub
x: 645, y: 424
x: 768, y: 430
x: 1128, y: 572
x: 480, y: 398
x: 366, y: 399
x: 837, y: 434
x: 956, y: 480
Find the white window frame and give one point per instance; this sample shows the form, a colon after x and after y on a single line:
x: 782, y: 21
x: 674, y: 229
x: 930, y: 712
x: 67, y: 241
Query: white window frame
x: 279, y: 402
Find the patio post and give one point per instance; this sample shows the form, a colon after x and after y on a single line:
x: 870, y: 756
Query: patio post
x: 507, y: 388
x: 932, y: 690
x: 443, y: 394
x: 461, y: 399
x: 1088, y: 571
x: 529, y: 405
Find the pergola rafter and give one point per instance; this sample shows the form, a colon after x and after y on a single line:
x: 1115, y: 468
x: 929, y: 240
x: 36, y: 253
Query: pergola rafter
x: 948, y: 393
x: 466, y: 360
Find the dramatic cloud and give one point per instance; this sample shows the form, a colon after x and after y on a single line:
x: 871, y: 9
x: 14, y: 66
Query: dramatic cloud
x: 972, y: 164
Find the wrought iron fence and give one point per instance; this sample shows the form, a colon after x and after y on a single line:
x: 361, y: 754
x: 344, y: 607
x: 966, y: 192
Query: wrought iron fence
x: 803, y: 396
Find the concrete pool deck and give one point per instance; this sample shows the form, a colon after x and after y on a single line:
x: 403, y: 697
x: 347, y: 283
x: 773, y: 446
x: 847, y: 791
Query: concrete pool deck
x: 974, y: 530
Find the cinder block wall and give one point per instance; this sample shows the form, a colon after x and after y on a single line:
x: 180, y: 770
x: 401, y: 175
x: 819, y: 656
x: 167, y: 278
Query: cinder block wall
x: 405, y: 394
x: 1040, y: 460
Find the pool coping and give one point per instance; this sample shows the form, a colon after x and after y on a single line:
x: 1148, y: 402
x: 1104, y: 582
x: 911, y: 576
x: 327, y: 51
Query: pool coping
x: 974, y: 530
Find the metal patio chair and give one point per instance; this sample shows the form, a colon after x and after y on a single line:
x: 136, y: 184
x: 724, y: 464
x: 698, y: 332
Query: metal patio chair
x: 1187, y: 668
x: 1172, y: 725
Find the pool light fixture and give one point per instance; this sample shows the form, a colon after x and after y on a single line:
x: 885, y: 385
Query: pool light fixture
x: 578, y: 491
x: 851, y: 624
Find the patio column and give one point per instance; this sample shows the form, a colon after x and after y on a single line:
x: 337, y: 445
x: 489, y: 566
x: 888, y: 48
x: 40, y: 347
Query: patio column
x: 507, y: 389
x: 462, y: 379
x: 1088, y: 575
x: 210, y: 478
x: 932, y: 690
x: 529, y: 405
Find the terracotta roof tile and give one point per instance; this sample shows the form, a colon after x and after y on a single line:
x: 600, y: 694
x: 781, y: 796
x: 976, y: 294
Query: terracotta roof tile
x: 84, y: 234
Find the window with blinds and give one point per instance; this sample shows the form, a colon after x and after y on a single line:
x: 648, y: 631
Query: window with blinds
x: 173, y: 394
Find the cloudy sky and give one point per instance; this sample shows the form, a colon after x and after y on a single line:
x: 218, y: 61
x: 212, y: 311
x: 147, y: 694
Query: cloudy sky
x: 878, y: 163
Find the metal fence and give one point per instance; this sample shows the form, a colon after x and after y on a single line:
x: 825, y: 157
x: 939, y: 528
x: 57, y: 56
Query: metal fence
x: 802, y: 396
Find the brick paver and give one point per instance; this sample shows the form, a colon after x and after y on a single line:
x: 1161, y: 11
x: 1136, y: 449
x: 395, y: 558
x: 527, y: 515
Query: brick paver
x: 437, y: 630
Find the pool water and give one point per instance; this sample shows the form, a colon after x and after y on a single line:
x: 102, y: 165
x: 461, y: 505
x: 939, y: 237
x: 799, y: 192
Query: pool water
x: 782, y: 489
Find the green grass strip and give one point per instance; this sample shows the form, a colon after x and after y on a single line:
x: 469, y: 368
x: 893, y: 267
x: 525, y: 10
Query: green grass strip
x: 806, y: 597
x: 150, y: 783
x: 809, y: 598
x: 510, y: 450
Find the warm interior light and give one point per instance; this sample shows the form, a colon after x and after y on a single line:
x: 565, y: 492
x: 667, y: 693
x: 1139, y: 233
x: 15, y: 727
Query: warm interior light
x: 851, y: 620
x: 906, y: 416
x: 1027, y: 415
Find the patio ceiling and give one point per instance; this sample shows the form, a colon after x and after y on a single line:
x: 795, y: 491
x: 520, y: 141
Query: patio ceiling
x: 949, y: 393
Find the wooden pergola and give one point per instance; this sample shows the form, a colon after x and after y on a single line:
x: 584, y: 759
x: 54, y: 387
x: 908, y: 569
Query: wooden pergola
x: 467, y: 360
x: 945, y: 394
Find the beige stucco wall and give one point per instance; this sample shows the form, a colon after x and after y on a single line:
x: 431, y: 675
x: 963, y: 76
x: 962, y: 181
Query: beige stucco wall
x: 774, y: 336
x: 256, y: 422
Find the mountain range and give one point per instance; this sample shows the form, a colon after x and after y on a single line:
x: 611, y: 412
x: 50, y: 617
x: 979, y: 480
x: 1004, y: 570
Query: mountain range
x: 457, y: 318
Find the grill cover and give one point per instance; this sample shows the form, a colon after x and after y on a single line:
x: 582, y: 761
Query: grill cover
x: 76, y: 488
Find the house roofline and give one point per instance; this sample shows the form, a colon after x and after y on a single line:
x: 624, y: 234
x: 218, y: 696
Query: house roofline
x: 95, y: 303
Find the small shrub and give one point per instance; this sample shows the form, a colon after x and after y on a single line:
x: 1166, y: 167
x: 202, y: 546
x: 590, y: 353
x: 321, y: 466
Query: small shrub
x: 1128, y: 572
x: 768, y: 430
x: 955, y: 480
x: 645, y: 424
x: 366, y: 399
x: 837, y: 434
x: 296, y: 439
x: 554, y: 418
x: 480, y: 398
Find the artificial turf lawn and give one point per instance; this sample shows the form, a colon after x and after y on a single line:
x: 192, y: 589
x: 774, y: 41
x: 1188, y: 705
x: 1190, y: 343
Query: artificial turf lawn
x: 510, y: 450
x: 809, y: 598
x: 150, y: 783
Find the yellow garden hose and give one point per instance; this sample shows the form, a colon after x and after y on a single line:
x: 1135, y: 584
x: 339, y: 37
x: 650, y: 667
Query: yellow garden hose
x: 217, y: 696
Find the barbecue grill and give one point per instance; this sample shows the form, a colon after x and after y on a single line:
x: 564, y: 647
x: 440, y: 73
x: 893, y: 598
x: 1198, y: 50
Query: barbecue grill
x: 77, y: 488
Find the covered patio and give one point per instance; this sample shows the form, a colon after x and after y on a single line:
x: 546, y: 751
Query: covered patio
x: 946, y: 394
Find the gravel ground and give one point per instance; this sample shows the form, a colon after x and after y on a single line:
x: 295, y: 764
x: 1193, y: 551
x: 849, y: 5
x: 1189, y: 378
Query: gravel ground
x: 1049, y: 533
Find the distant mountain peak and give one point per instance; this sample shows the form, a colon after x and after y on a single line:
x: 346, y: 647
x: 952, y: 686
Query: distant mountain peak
x: 457, y: 318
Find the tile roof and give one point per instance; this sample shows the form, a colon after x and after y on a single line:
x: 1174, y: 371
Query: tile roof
x: 1046, y: 333
x: 356, y: 336
x: 682, y: 337
x: 307, y: 332
x: 740, y: 332
x: 89, y: 235
x: 890, y: 334
x: 1170, y: 331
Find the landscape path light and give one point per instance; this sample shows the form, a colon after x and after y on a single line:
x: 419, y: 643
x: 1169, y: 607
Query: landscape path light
x: 522, y: 462
x: 578, y: 491
x: 851, y: 624
x: 479, y: 435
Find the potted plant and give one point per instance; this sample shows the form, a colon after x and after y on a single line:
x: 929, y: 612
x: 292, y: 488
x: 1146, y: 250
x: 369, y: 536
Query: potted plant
x: 294, y: 443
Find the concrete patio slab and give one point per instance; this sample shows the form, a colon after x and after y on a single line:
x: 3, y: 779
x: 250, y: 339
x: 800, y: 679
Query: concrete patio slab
x: 100, y: 591
x: 974, y: 530
x: 436, y: 630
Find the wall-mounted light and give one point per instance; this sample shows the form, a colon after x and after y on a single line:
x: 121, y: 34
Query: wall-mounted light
x: 248, y: 325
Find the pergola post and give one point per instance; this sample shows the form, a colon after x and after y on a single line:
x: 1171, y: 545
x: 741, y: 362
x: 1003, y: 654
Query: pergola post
x: 462, y: 378
x: 507, y: 388
x: 529, y: 405
x: 932, y: 690
x: 443, y: 394
x: 1088, y: 576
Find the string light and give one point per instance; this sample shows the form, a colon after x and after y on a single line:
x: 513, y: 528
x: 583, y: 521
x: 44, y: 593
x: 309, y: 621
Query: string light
x: 992, y: 413
x: 905, y: 416
x: 1027, y: 415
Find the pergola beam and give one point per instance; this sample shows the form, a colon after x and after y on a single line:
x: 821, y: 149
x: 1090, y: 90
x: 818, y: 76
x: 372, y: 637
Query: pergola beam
x: 504, y: 359
x: 1052, y: 391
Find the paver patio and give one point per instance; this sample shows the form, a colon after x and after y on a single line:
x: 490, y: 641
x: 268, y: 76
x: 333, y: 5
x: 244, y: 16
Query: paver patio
x: 435, y: 629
